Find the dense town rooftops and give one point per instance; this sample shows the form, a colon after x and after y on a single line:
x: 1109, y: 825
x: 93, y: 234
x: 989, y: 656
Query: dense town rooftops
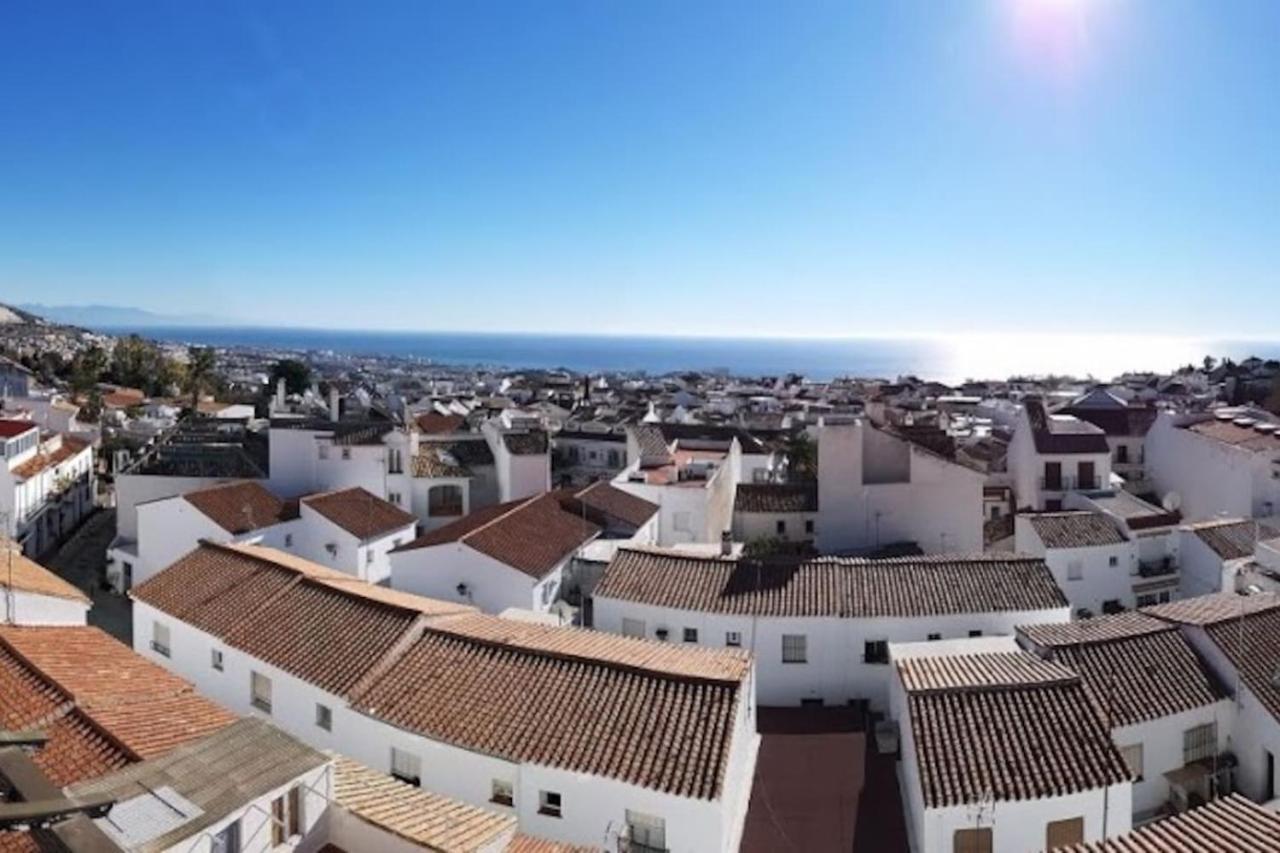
x: 205, y: 447
x: 776, y: 497
x: 213, y: 777
x: 241, y: 507
x: 101, y: 705
x: 526, y: 443
x: 1233, y: 539
x: 434, y: 423
x: 456, y: 458
x: 1063, y: 434
x: 533, y: 535
x: 912, y: 586
x: 360, y: 512
x: 1135, y: 667
x: 1213, y: 608
x: 1137, y: 513
x: 983, y: 728
x: 22, y: 574
x: 654, y: 714
x: 1231, y: 823
x: 1075, y: 529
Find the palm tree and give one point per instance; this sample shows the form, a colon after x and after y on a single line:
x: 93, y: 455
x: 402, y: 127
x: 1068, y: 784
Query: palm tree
x: 201, y: 363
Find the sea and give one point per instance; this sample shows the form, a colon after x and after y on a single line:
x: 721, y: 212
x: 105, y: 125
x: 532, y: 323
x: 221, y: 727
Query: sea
x: 946, y: 358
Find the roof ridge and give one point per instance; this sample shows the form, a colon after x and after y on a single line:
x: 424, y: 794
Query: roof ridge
x: 389, y: 658
x: 519, y: 506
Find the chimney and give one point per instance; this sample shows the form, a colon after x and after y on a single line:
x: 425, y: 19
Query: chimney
x: 726, y: 543
x: 334, y: 406
x: 280, y: 394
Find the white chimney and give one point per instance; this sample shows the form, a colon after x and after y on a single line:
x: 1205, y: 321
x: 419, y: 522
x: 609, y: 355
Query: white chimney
x: 333, y: 404
x: 726, y: 544
x: 280, y: 394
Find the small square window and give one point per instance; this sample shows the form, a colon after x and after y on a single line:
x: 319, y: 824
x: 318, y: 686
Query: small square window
x: 875, y: 651
x: 691, y: 635
x: 975, y: 633
x: 549, y: 804
x: 160, y: 639
x: 324, y: 717
x: 215, y: 659
x: 346, y: 453
x: 934, y: 637
x: 406, y: 767
x: 795, y: 648
x: 781, y: 528
x: 1113, y: 561
x: 732, y: 638
x: 288, y: 540
x: 502, y: 793
x: 808, y: 526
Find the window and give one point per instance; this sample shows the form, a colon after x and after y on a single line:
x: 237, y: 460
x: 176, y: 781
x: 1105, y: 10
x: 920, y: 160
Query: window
x: 1113, y: 561
x: 444, y: 501
x: 228, y: 840
x: 1064, y: 833
x: 324, y: 717
x: 406, y: 767
x: 160, y: 639
x: 691, y: 635
x: 972, y: 840
x: 395, y: 463
x: 549, y: 803
x: 346, y: 453
x: 260, y: 691
x: 975, y: 633
x: 781, y: 527
x: 324, y: 451
x: 278, y: 836
x: 1075, y: 570
x: 394, y: 497
x: 808, y: 526
x: 215, y: 659
x: 615, y: 460
x: 295, y: 811
x: 1199, y: 742
x: 645, y: 833
x: 288, y: 540
x: 1133, y: 760
x: 875, y: 651
x: 934, y: 637
x: 633, y: 627
x: 732, y: 638
x: 794, y: 648
x: 502, y: 793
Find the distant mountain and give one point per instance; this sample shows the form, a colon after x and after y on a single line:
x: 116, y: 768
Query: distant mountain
x: 117, y: 316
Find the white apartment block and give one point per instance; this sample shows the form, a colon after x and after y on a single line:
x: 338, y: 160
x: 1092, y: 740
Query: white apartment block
x: 46, y: 485
x: 877, y: 489
x: 820, y: 629
x: 1220, y: 465
x: 1053, y: 455
x: 467, y: 705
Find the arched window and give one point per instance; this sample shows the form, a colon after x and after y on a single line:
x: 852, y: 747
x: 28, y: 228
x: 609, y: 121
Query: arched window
x: 444, y: 500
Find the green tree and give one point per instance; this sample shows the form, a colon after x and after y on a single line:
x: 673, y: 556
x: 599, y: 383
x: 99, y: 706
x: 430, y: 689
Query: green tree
x: 296, y: 375
x: 802, y: 457
x: 201, y: 366
x: 87, y: 368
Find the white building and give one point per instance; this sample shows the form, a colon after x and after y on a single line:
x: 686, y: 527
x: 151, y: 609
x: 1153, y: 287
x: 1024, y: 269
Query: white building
x: 1051, y: 456
x: 1002, y: 752
x: 1217, y: 556
x: 483, y: 709
x: 1091, y: 557
x: 820, y: 628
x: 351, y: 530
x: 46, y: 485
x: 693, y: 480
x: 1170, y: 715
x: 1125, y: 427
x: 508, y: 555
x: 876, y: 489
x: 33, y: 595
x: 786, y: 512
x: 1219, y: 465
x: 584, y: 455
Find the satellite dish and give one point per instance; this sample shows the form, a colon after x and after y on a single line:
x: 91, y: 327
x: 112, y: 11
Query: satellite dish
x: 1172, y: 502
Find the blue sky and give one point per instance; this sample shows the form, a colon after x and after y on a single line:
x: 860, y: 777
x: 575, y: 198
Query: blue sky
x: 807, y: 168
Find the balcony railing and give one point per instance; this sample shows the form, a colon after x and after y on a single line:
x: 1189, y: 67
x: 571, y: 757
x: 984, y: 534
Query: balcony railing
x: 1157, y: 568
x: 1068, y: 483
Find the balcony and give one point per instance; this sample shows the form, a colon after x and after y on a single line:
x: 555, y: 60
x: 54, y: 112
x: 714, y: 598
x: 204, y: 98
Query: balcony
x: 1068, y: 483
x: 1157, y: 568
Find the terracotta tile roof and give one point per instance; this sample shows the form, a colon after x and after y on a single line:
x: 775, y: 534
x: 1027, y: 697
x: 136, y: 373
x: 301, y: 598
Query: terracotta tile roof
x: 1243, y: 437
x: 646, y: 728
x: 533, y: 535
x: 531, y: 443
x: 123, y: 398
x: 26, y: 575
x: 434, y: 423
x: 1139, y: 667
x: 1233, y: 539
x: 1213, y: 608
x: 420, y: 817
x: 1025, y: 740
x: 433, y: 461
x: 1252, y: 645
x: 528, y: 844
x: 70, y: 446
x: 241, y: 507
x: 1097, y: 630
x: 614, y: 502
x: 1063, y: 433
x: 776, y: 497
x: 909, y: 586
x: 361, y: 513
x: 102, y: 705
x: 1075, y: 529
x: 256, y: 599
x: 1232, y: 823
x: 988, y: 669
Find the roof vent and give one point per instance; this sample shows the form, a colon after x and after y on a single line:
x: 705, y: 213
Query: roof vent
x: 1224, y: 416
x: 1266, y: 429
x: 1243, y: 422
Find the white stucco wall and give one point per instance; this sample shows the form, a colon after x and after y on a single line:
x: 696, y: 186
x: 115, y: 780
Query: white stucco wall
x: 492, y: 586
x: 28, y: 608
